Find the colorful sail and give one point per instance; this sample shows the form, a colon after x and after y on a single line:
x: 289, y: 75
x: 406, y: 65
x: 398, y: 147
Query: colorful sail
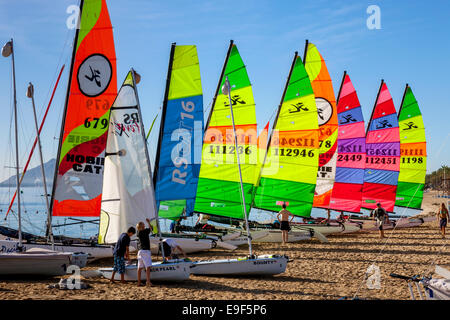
x: 180, y: 138
x: 382, y: 154
x: 328, y: 124
x: 289, y: 171
x: 128, y: 195
x: 351, y: 159
x: 413, y: 152
x: 219, y: 190
x: 77, y: 186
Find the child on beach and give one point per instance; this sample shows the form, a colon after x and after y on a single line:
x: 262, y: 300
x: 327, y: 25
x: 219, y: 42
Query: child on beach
x: 121, y: 251
x: 144, y: 254
x: 284, y: 220
x: 442, y: 217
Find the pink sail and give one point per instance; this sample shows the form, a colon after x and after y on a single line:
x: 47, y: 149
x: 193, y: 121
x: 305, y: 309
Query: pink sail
x: 347, y: 190
x: 383, y: 154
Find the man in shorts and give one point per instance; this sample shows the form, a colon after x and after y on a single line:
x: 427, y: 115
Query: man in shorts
x: 169, y: 245
x: 121, y: 251
x: 380, y: 216
x: 144, y: 254
x: 283, y: 217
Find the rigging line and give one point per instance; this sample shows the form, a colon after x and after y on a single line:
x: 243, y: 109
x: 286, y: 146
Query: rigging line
x: 385, y: 244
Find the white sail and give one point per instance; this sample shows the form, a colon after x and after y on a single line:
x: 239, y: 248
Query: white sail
x: 128, y: 195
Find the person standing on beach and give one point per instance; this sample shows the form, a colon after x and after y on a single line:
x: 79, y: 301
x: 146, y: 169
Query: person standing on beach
x: 283, y: 217
x: 144, y: 254
x: 442, y: 217
x: 380, y: 216
x: 121, y: 251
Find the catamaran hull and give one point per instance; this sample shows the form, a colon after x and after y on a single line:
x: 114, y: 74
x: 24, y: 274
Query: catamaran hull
x: 243, y: 239
x: 275, y: 236
x: 323, y: 229
x: 189, y: 245
x: 261, y: 265
x: 178, y: 271
x: 37, y: 264
x: 94, y: 252
x: 408, y: 222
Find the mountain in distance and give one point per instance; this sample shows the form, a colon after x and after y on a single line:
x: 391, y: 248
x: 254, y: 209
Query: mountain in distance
x: 33, y: 177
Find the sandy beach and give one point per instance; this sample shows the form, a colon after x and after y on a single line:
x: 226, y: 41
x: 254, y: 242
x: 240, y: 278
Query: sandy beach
x: 318, y: 271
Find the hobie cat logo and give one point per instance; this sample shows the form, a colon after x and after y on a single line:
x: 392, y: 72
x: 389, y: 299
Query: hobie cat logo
x: 410, y: 125
x: 234, y: 100
x: 324, y: 110
x: 94, y: 75
x: 347, y: 119
x: 298, y: 107
x: 384, y: 124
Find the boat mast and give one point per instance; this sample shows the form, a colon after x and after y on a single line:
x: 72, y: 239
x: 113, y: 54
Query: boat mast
x: 8, y: 50
x: 30, y: 94
x: 63, y: 122
x: 147, y: 157
x: 226, y: 89
x: 163, y: 116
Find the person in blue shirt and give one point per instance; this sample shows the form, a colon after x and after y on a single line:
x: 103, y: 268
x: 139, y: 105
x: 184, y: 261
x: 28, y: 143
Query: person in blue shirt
x: 121, y: 251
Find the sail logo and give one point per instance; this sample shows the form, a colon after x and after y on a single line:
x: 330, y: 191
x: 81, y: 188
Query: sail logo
x: 130, y: 124
x: 324, y: 110
x: 298, y: 107
x: 347, y: 119
x: 410, y: 125
x: 181, y: 152
x: 235, y: 99
x: 86, y: 164
x: 383, y: 124
x: 94, y: 75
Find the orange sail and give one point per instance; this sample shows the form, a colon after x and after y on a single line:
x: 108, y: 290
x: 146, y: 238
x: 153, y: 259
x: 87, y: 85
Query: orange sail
x: 328, y: 124
x: 77, y: 185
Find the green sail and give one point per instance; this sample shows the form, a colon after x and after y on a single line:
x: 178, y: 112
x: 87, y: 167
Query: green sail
x: 413, y: 153
x: 219, y: 190
x: 289, y: 172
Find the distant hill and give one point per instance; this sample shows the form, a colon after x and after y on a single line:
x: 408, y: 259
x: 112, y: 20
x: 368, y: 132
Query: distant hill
x: 33, y: 177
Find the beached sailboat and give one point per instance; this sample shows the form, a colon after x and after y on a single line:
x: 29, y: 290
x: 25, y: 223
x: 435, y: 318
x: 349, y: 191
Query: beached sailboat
x: 293, y: 147
x: 328, y: 123
x: 128, y: 195
x: 413, y: 157
x: 382, y: 157
x: 34, y: 261
x: 228, y: 162
x: 178, y: 153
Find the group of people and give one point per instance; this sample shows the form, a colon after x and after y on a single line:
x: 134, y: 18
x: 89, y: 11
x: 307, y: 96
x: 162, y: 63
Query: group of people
x: 379, y: 214
x: 144, y: 255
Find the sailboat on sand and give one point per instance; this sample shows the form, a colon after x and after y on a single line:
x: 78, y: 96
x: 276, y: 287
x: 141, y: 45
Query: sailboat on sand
x: 227, y: 172
x: 128, y: 196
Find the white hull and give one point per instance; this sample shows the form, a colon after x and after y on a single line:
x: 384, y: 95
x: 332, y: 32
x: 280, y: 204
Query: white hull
x: 189, y: 245
x: 274, y: 236
x: 371, y: 225
x: 323, y: 229
x: 261, y: 265
x: 243, y: 239
x: 351, y: 227
x: 172, y: 271
x: 94, y: 252
x: 408, y: 222
x: 35, y: 262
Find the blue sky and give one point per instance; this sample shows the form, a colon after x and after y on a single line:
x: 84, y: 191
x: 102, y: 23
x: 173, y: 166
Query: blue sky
x: 411, y: 47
